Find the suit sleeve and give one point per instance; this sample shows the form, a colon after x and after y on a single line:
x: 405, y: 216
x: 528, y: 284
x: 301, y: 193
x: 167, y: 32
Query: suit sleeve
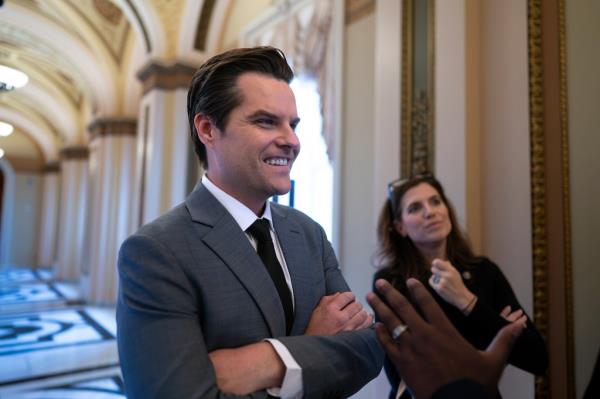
x: 484, y: 322
x: 338, y: 365
x: 464, y: 389
x: 161, y: 345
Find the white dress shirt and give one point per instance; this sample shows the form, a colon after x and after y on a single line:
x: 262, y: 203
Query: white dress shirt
x: 291, y: 387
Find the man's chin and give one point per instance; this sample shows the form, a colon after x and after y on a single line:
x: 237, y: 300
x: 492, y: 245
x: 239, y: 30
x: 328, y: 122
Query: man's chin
x: 281, y: 189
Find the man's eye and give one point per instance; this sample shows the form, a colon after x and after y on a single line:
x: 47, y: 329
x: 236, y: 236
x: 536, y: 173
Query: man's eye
x: 265, y: 122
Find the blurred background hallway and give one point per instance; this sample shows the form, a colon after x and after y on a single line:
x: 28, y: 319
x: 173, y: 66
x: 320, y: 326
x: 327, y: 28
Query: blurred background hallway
x: 497, y: 98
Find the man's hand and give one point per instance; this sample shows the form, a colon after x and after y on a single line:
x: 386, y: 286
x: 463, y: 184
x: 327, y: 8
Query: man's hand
x: 336, y: 313
x: 431, y: 353
x: 247, y: 369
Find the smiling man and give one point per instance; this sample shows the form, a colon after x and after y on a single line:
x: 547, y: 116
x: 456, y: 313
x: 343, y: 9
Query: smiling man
x: 228, y: 294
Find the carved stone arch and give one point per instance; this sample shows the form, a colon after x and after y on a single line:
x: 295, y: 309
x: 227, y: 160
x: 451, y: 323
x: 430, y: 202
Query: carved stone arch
x: 146, y: 23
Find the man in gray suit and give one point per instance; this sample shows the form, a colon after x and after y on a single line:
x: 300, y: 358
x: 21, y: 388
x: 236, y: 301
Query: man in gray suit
x: 200, y: 313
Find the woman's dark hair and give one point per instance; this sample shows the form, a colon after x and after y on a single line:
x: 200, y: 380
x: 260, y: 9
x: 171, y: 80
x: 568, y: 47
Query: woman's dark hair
x: 214, y: 91
x: 399, y: 255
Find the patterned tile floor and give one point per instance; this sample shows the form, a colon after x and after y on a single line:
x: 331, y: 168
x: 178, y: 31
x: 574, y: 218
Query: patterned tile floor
x: 51, y: 344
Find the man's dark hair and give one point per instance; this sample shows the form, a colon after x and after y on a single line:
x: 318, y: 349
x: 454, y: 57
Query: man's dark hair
x: 214, y: 91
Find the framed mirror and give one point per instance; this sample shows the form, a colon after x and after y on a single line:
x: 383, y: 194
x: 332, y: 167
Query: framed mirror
x: 417, y: 101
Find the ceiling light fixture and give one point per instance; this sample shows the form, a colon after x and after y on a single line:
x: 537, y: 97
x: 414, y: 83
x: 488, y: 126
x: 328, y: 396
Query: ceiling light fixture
x: 11, y: 78
x: 6, y: 129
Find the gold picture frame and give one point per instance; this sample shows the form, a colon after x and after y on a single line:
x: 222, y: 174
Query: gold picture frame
x: 417, y: 91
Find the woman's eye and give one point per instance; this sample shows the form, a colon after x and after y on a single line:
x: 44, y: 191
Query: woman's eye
x: 413, y: 208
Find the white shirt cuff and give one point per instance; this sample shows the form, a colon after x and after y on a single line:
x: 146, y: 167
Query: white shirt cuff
x: 291, y: 387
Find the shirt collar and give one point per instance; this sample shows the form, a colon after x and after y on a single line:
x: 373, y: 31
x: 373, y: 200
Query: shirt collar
x: 243, y: 216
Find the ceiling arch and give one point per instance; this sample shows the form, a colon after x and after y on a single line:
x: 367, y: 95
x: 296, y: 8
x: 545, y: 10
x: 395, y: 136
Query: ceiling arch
x: 61, y: 46
x: 55, y: 108
x: 37, y: 129
x: 146, y: 23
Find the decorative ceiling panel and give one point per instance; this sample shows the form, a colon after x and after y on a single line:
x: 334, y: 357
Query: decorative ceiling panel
x: 102, y: 17
x: 170, y: 12
x: 108, y: 23
x: 40, y: 62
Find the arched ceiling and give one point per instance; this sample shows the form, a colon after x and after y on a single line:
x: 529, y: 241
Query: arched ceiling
x: 22, y: 151
x: 71, y: 50
x: 82, y: 57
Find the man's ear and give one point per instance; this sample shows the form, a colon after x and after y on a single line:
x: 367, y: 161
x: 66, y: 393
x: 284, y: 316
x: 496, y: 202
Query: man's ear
x: 399, y: 227
x: 205, y: 129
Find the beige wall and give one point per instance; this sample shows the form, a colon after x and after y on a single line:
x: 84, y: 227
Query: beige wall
x: 506, y: 209
x: 355, y: 243
x: 362, y: 155
x: 26, y: 218
x: 583, y: 64
x: 482, y: 122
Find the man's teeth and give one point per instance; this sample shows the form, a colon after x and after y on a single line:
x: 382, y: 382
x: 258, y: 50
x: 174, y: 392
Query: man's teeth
x: 277, y: 161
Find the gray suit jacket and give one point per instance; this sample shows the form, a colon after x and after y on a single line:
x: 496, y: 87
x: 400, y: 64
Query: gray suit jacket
x: 191, y: 283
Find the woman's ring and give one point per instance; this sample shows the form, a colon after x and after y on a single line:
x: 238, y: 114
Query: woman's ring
x: 436, y: 279
x: 398, y: 330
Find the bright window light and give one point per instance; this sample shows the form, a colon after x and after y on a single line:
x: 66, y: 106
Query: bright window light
x: 312, y: 172
x: 1, y: 152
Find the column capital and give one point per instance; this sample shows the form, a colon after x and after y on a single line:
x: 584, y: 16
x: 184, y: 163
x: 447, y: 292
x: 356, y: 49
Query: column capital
x: 51, y: 167
x: 112, y: 127
x: 156, y: 75
x: 74, y: 152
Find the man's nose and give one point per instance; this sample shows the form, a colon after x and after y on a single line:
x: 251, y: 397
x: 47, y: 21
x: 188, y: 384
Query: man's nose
x: 289, y: 138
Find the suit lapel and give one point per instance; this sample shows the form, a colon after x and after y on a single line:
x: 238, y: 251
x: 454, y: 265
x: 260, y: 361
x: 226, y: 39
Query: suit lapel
x: 293, y: 244
x: 230, y: 243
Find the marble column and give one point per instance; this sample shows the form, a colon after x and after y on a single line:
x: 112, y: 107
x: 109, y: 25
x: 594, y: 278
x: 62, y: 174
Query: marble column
x: 166, y: 166
x: 46, y: 256
x: 73, y: 204
x: 111, y: 175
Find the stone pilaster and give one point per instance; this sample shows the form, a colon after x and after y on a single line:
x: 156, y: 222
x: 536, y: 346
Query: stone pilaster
x: 73, y: 204
x: 49, y: 214
x: 163, y: 144
x: 111, y: 174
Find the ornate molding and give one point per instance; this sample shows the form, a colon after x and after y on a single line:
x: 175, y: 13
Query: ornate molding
x: 203, y: 25
x: 406, y: 90
x: 564, y: 133
x: 51, y: 167
x: 158, y: 76
x: 417, y: 101
x: 112, y: 127
x: 538, y: 187
x: 358, y: 9
x: 551, y: 217
x: 74, y: 153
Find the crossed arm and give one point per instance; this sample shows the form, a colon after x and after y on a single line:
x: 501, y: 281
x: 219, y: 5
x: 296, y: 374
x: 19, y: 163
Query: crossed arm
x: 257, y: 366
x: 164, y: 346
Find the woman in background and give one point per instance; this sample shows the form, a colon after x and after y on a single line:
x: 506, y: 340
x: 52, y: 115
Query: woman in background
x: 419, y: 237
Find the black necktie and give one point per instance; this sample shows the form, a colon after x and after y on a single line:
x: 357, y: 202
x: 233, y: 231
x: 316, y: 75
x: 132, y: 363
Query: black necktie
x: 264, y: 246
